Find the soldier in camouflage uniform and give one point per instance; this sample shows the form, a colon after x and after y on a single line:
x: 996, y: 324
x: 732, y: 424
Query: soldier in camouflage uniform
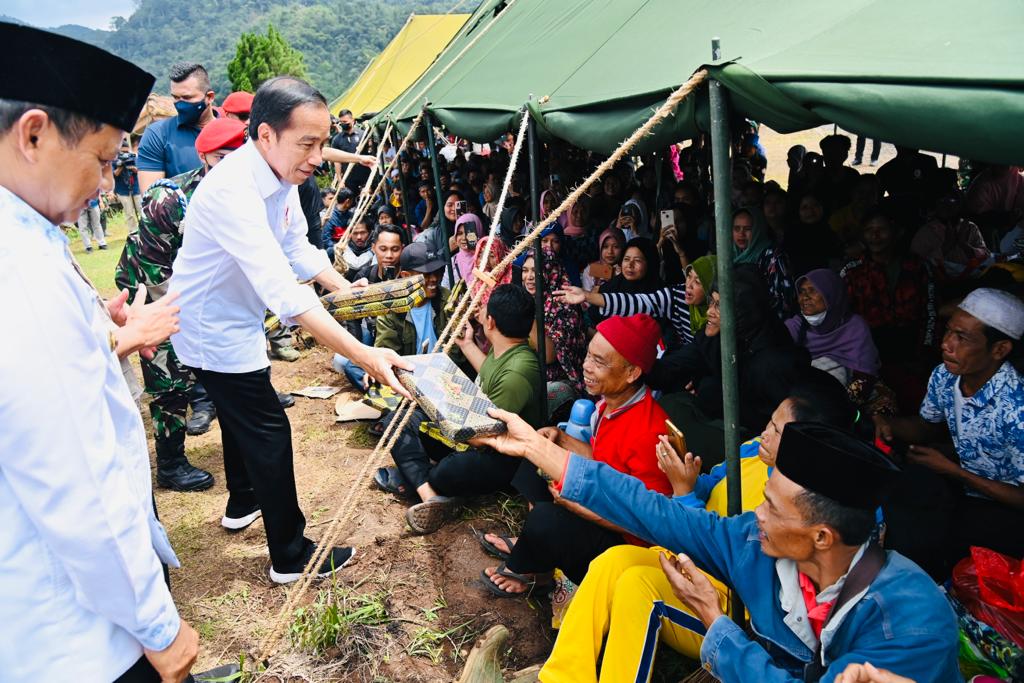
x: 146, y: 260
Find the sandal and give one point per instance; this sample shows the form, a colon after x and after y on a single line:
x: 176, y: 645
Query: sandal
x: 390, y: 480
x: 429, y: 516
x: 490, y: 548
x: 503, y: 571
x: 376, y: 429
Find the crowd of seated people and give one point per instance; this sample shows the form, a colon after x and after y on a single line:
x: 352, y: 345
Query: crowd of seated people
x: 883, y: 305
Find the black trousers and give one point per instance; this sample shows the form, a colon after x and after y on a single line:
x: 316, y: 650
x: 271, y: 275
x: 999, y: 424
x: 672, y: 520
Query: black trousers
x: 257, y: 441
x: 554, y: 537
x: 469, y: 473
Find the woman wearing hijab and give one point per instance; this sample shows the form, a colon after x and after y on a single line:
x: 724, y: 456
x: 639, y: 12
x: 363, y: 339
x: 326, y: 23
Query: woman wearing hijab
x: 752, y: 245
x: 549, y: 201
x: 684, y: 306
x: 769, y: 363
x: 611, y: 245
x: 838, y: 339
x: 552, y: 239
x: 639, y: 274
x: 464, y: 258
x: 490, y: 199
x: 811, y: 243
x: 565, y: 345
x: 511, y: 224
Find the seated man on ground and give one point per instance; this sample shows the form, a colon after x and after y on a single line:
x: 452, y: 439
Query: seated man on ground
x: 819, y: 595
x: 625, y: 426
x: 509, y: 375
x: 976, y: 397
x: 386, y: 245
x: 626, y: 596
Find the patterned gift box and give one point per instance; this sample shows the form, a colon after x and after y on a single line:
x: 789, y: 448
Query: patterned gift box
x: 380, y: 298
x: 449, y: 398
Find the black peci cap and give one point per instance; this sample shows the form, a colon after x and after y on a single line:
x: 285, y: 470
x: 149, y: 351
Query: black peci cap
x: 836, y: 464
x: 49, y: 69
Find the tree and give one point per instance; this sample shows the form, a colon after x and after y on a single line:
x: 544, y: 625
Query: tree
x: 259, y: 58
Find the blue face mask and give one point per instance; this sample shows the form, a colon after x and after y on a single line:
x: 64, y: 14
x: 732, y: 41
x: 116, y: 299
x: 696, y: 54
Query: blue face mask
x: 189, y: 112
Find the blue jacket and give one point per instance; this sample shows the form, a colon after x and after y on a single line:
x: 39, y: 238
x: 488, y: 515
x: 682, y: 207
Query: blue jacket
x: 902, y: 623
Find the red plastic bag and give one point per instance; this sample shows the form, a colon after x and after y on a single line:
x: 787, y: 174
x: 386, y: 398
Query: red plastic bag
x: 991, y: 586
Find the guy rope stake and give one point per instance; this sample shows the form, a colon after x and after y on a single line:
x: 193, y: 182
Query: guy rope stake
x: 445, y: 341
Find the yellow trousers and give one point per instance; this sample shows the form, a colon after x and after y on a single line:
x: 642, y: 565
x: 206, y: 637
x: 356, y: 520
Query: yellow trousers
x: 626, y: 597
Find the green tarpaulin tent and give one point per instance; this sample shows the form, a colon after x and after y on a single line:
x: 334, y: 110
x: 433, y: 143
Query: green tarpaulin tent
x: 939, y: 75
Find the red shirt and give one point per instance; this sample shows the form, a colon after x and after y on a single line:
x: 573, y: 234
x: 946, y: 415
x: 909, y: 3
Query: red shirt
x: 625, y: 439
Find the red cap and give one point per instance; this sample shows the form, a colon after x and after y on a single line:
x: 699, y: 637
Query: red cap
x: 222, y: 133
x: 635, y: 338
x: 238, y: 103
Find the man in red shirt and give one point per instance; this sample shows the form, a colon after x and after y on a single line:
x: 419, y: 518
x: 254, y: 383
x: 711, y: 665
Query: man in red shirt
x: 626, y: 426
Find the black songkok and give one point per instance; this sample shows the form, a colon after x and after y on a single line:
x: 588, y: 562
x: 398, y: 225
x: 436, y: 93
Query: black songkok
x: 836, y: 464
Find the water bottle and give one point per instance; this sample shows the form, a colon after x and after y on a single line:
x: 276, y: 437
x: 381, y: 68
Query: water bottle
x: 578, y: 425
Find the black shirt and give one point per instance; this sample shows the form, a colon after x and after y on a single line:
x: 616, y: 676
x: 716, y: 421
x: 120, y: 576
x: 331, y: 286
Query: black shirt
x: 347, y: 142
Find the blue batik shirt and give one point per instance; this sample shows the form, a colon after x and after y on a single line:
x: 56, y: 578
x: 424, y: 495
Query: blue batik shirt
x: 988, y: 433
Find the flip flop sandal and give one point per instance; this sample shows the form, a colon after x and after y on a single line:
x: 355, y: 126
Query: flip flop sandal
x: 376, y: 429
x: 390, y: 480
x: 504, y: 572
x: 429, y: 516
x: 490, y: 548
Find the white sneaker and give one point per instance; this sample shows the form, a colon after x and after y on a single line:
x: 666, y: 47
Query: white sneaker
x: 237, y: 523
x: 335, y: 562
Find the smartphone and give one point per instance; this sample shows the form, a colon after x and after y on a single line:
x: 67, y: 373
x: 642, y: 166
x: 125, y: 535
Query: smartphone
x: 471, y: 239
x: 668, y: 219
x: 601, y: 271
x: 390, y: 272
x: 460, y: 208
x: 676, y: 438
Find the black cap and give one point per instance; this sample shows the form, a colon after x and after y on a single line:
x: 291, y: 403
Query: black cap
x: 49, y: 69
x: 418, y: 257
x: 836, y: 464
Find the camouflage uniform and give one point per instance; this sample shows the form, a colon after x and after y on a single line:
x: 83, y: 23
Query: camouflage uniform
x: 147, y: 259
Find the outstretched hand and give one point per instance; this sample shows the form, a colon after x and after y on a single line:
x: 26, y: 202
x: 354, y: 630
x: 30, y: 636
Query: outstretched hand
x: 380, y: 364
x: 571, y: 295
x: 518, y: 440
x: 868, y: 673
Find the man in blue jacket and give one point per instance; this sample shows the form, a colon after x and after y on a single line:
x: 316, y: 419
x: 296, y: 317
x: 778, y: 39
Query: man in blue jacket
x: 819, y: 596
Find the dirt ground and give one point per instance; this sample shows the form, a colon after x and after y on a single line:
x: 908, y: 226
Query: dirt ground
x: 429, y: 585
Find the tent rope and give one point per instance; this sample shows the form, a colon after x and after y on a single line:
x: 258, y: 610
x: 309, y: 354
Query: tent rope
x: 455, y: 324
x: 366, y: 198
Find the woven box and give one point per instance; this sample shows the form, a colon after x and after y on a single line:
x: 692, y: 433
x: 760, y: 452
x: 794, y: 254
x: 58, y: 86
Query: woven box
x: 380, y: 298
x: 449, y: 398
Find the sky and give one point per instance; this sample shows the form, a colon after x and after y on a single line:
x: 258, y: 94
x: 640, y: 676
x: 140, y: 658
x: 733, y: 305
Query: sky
x: 91, y: 13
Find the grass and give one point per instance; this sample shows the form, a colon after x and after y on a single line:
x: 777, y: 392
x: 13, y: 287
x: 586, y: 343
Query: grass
x: 503, y: 510
x: 99, y: 264
x: 347, y: 625
x: 360, y: 437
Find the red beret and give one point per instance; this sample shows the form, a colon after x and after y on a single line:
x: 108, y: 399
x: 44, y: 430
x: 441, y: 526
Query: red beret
x: 635, y: 338
x: 238, y: 103
x: 222, y: 133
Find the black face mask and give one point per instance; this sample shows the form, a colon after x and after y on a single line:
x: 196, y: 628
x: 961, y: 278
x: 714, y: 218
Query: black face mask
x: 347, y: 127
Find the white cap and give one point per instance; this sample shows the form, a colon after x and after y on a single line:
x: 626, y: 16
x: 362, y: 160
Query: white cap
x: 997, y: 309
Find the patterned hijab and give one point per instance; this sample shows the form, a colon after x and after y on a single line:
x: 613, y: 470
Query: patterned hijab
x: 563, y: 325
x: 498, y: 252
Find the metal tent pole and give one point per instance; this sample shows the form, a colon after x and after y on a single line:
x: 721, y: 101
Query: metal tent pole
x: 442, y: 220
x: 721, y: 173
x: 538, y: 264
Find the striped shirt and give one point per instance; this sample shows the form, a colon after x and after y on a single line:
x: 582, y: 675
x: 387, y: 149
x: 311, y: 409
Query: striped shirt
x: 668, y: 303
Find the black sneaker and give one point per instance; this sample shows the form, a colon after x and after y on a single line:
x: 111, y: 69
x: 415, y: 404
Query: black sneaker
x: 237, y: 516
x: 200, y: 422
x: 334, y: 562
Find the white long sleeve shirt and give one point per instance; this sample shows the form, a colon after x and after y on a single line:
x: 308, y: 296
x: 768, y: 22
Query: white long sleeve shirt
x: 244, y: 245
x: 81, y: 586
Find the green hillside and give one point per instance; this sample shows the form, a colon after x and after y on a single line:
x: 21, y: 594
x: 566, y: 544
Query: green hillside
x: 336, y: 37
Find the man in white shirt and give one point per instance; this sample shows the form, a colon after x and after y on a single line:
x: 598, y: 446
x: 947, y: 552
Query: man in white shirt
x: 244, y: 248
x: 82, y: 590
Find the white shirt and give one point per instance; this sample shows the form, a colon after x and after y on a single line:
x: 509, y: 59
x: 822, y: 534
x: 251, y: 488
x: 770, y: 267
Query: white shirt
x: 244, y: 244
x: 81, y: 586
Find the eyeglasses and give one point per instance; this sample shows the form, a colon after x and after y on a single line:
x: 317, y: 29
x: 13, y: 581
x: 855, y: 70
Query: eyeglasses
x: 714, y: 303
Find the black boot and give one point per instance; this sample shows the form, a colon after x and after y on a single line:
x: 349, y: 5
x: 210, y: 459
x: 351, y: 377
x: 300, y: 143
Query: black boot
x: 174, y: 471
x: 203, y: 411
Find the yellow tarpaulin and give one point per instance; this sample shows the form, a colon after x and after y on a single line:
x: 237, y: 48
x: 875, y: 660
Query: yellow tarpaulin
x: 406, y: 57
